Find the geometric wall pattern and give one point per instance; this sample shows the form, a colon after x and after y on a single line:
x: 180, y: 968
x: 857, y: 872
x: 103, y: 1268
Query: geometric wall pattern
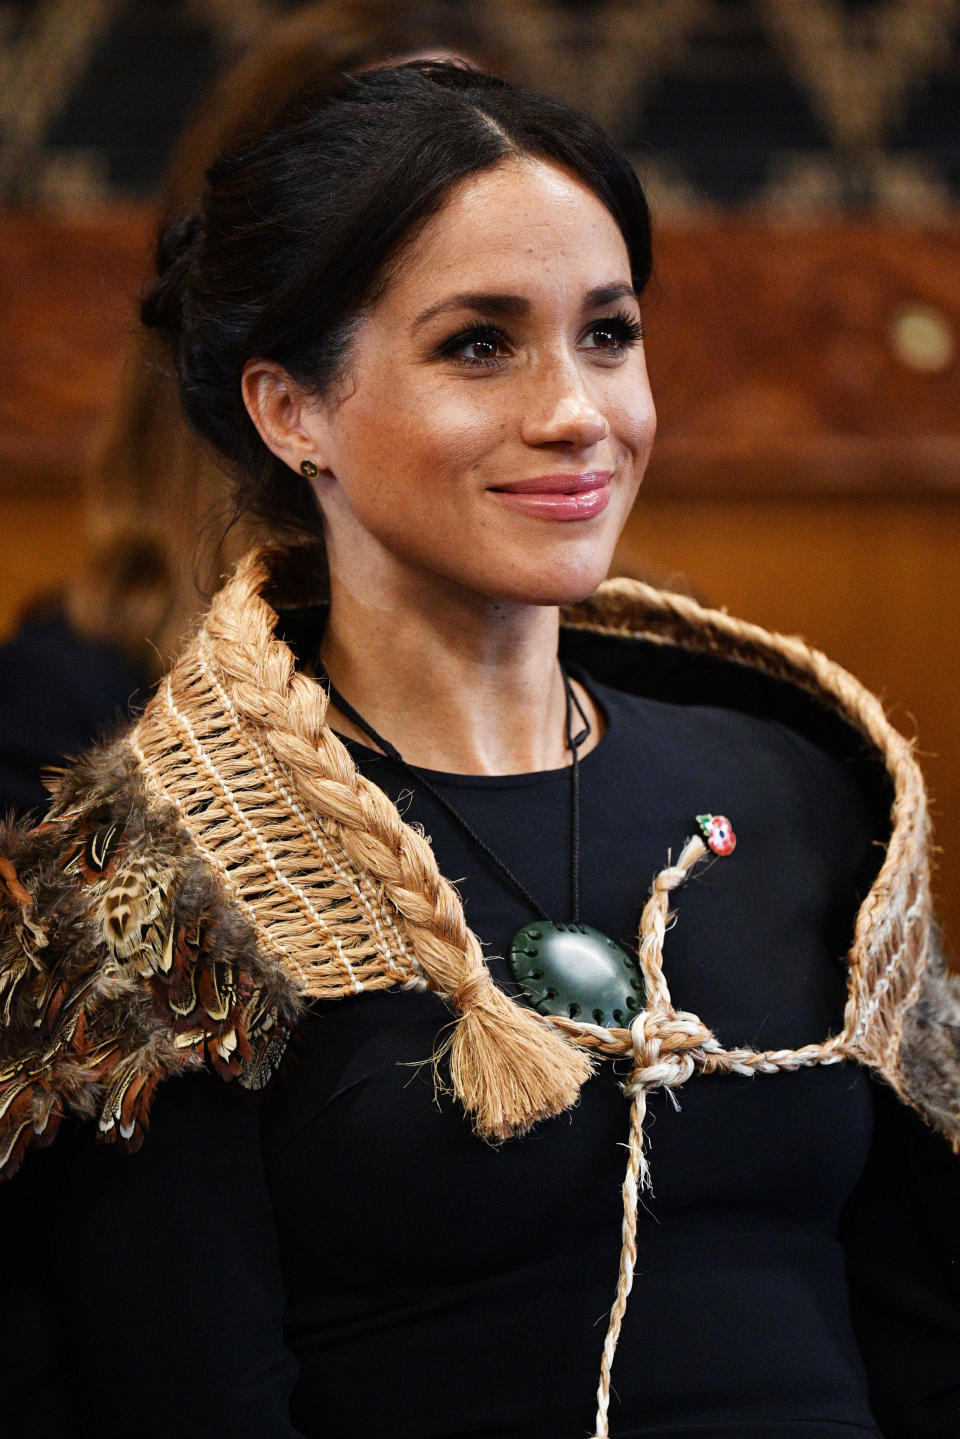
x: 783, y: 107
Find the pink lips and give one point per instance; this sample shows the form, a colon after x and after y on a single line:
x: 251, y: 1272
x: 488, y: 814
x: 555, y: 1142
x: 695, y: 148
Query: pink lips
x: 578, y: 495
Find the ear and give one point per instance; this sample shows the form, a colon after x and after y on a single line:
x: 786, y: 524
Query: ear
x: 288, y: 420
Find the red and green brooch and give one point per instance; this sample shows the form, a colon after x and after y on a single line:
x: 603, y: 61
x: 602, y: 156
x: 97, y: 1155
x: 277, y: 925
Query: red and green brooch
x: 718, y: 832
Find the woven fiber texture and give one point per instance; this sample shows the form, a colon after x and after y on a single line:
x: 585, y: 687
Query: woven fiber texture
x: 893, y: 932
x: 344, y: 894
x: 347, y: 897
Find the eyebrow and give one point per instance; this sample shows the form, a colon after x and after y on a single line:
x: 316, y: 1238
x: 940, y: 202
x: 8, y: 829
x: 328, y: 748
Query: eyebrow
x: 502, y: 304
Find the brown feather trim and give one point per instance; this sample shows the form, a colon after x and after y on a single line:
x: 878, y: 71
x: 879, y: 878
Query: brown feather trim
x: 157, y: 922
x: 930, y: 1051
x: 122, y: 962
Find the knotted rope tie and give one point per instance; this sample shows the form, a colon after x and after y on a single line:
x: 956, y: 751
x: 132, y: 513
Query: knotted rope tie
x: 474, y: 987
x: 667, y: 1045
x: 662, y: 1041
x: 662, y: 1045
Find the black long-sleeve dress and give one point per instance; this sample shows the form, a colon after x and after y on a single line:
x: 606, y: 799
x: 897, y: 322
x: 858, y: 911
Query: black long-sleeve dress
x: 342, y: 1256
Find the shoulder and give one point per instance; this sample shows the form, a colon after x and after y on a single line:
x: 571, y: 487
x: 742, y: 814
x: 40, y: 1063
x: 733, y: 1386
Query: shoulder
x: 122, y: 962
x: 828, y: 783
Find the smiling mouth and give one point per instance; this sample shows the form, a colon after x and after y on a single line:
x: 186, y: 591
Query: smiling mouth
x: 579, y: 495
x: 576, y: 482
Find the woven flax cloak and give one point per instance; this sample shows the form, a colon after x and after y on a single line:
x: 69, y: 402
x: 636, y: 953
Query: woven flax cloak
x: 202, y: 878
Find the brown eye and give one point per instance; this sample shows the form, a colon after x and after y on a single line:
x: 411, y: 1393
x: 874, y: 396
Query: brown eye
x: 603, y: 337
x: 483, y: 348
x: 613, y: 335
x: 480, y: 346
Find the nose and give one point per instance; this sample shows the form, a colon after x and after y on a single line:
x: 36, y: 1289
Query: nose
x: 560, y: 411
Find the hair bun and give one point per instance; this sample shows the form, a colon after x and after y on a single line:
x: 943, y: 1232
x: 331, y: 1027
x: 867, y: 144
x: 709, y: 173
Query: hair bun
x: 162, y: 306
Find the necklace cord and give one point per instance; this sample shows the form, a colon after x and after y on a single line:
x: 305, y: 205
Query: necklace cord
x: 574, y: 742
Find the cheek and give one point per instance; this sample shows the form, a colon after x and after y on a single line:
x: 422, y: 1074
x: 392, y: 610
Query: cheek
x: 411, y: 464
x: 431, y: 432
x: 633, y: 420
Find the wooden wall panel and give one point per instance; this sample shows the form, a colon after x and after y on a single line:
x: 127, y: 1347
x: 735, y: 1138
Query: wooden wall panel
x: 39, y: 545
x: 69, y: 287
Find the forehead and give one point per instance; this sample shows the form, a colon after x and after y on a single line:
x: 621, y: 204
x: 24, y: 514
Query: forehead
x: 523, y: 226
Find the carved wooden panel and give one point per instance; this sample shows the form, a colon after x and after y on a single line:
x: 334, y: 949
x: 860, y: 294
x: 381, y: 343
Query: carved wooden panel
x: 68, y: 291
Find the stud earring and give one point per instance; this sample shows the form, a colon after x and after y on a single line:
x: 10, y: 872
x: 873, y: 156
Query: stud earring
x: 308, y: 469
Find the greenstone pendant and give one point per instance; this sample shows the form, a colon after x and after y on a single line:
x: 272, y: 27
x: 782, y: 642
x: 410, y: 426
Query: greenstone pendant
x: 574, y: 970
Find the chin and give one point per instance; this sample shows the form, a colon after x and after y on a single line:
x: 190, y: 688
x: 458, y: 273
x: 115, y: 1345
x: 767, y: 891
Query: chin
x: 557, y: 584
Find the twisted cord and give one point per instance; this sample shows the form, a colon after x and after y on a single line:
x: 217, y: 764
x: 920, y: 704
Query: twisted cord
x: 653, y: 1067
x: 653, y: 923
x: 284, y: 712
x: 667, y: 1046
x: 900, y: 895
x: 509, y: 1065
x: 288, y: 711
x: 636, y: 1178
x: 508, y: 1068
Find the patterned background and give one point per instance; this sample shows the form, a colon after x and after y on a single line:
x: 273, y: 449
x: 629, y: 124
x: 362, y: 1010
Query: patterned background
x: 789, y: 107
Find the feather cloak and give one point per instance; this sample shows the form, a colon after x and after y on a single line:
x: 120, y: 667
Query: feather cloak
x: 222, y: 864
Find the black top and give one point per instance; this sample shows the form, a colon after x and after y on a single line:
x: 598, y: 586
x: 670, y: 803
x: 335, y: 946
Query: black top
x: 344, y: 1256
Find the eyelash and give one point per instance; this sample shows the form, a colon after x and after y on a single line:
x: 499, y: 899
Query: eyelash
x: 627, y: 332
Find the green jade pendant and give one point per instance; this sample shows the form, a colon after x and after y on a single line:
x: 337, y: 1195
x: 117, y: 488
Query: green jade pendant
x: 574, y: 970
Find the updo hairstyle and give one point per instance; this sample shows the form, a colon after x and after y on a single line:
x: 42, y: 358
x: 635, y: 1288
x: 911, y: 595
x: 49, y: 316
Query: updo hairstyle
x: 300, y: 227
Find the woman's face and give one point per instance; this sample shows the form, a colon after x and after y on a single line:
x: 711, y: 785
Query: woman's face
x: 496, y: 419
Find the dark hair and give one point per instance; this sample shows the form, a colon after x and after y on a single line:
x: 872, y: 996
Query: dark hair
x: 300, y: 226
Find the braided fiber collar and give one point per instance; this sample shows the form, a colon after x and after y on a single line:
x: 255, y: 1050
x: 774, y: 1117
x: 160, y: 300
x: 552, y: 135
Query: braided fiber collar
x: 202, y: 878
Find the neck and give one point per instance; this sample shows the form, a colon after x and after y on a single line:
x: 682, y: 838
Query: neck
x: 454, y: 683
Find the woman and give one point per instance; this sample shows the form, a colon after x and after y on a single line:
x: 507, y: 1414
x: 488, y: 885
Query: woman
x: 408, y: 314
